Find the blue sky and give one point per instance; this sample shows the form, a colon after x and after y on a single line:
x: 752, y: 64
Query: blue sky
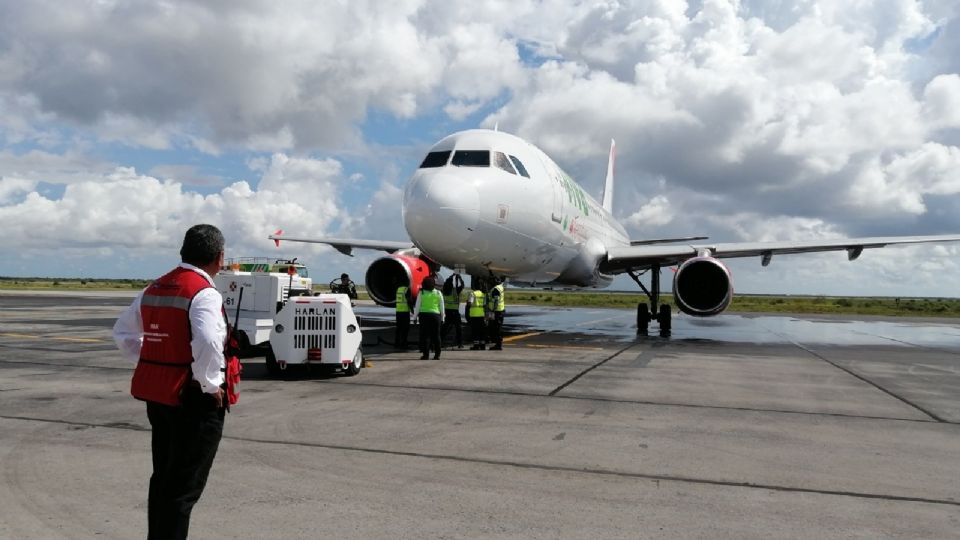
x: 125, y: 122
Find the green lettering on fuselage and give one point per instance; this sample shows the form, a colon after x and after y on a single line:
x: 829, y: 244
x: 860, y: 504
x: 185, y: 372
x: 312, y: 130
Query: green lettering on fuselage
x: 574, y: 193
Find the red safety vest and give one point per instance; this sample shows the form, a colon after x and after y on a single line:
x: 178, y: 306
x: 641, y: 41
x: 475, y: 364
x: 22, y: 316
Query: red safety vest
x: 165, y: 357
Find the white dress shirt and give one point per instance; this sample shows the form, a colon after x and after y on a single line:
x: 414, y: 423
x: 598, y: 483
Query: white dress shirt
x: 208, y: 328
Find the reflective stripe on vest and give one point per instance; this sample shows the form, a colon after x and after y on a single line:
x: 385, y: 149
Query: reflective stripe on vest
x: 165, y: 356
x: 430, y: 301
x: 451, y: 301
x: 476, y: 308
x: 499, y: 302
x: 402, y: 306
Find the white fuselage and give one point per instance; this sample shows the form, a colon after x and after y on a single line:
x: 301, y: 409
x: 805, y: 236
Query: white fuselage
x: 470, y: 206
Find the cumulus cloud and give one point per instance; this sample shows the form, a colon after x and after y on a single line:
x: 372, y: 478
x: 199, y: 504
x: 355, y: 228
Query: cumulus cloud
x: 807, y: 107
x: 656, y: 212
x: 144, y: 214
x: 259, y: 74
x: 942, y: 101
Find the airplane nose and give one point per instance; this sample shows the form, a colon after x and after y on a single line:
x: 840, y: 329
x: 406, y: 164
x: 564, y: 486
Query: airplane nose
x: 440, y: 211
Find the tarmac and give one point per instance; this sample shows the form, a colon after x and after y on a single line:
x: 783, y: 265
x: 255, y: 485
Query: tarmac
x: 734, y: 427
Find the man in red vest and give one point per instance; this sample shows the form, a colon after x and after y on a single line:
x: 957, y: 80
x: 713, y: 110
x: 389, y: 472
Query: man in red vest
x: 175, y: 330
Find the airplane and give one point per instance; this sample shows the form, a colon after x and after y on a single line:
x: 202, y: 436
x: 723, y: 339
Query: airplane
x: 493, y: 205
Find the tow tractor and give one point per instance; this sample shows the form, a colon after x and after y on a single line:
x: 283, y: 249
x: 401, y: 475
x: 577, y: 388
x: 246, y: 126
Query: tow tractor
x: 316, y: 330
x: 259, y: 287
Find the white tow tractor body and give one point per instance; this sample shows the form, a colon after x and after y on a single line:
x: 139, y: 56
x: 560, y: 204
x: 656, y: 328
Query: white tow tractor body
x: 318, y: 330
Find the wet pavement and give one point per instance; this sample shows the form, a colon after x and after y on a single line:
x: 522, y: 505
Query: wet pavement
x: 620, y: 325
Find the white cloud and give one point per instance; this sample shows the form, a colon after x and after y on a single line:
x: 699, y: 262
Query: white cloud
x: 50, y: 167
x: 11, y: 188
x: 941, y: 101
x: 900, y: 185
x: 123, y: 209
x: 655, y: 212
x: 261, y: 75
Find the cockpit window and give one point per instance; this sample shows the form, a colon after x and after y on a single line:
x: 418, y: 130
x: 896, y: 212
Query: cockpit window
x: 471, y: 158
x: 500, y: 160
x: 435, y: 159
x: 520, y: 168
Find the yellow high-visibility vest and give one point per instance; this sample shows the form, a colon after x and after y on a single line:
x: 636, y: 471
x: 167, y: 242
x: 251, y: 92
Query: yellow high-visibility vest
x: 476, y: 308
x: 402, y: 306
x: 451, y: 301
x: 498, y: 303
x: 430, y: 301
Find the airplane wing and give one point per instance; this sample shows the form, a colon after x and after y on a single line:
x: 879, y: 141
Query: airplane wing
x: 623, y: 258
x: 344, y: 245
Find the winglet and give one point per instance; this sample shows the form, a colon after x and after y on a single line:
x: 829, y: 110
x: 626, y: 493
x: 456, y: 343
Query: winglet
x: 277, y: 240
x: 608, y: 185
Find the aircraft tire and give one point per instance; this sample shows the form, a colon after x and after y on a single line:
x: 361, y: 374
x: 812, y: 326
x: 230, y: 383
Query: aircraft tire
x: 664, y: 318
x: 643, y: 318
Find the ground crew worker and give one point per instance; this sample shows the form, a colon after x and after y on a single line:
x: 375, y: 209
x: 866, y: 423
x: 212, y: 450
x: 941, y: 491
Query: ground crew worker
x: 175, y: 330
x: 452, y: 291
x: 345, y: 286
x: 403, y: 318
x: 475, y: 316
x: 496, y: 306
x: 429, y: 311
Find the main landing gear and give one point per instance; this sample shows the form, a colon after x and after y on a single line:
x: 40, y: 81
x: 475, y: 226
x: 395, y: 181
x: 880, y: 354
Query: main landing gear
x: 644, y: 312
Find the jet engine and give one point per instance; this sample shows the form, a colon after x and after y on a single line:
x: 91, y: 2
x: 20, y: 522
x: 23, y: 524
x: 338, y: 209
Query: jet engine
x: 387, y: 273
x: 702, y: 287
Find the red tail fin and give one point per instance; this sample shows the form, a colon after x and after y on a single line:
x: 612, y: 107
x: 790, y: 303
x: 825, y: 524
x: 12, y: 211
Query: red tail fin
x: 277, y: 240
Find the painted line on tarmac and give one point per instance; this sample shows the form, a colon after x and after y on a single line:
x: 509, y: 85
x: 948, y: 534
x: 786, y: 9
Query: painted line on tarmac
x: 78, y: 339
x: 528, y: 466
x: 578, y: 347
x: 54, y: 338
x: 520, y: 336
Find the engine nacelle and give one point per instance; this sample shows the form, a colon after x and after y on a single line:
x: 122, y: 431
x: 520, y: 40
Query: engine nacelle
x: 387, y: 273
x: 702, y: 287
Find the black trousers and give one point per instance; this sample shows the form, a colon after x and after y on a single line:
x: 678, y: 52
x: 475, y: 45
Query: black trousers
x: 494, y: 329
x: 430, y: 334
x: 452, y: 318
x: 185, y: 441
x: 402, y: 330
x: 478, y: 330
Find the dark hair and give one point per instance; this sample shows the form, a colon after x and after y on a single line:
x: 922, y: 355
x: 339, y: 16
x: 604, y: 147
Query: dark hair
x: 344, y: 276
x: 429, y: 283
x: 201, y: 245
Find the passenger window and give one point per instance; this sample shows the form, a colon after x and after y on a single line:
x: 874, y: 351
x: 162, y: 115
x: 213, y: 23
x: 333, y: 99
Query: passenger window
x: 520, y: 168
x: 471, y: 158
x: 435, y: 159
x: 501, y: 161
